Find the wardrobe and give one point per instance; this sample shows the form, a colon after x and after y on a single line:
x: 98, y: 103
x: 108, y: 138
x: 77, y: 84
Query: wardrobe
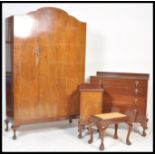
x: 46, y: 56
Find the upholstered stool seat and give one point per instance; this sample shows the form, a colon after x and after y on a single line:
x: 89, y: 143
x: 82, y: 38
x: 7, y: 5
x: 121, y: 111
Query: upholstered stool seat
x: 112, y: 115
x: 103, y: 120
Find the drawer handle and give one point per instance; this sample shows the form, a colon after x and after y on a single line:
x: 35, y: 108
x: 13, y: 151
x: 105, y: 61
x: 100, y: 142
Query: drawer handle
x: 136, y: 100
x: 136, y: 91
x: 136, y: 83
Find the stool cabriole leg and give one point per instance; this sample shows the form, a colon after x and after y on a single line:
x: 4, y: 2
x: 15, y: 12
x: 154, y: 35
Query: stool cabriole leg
x: 115, y: 134
x: 102, y: 130
x: 91, y: 134
x: 128, y: 135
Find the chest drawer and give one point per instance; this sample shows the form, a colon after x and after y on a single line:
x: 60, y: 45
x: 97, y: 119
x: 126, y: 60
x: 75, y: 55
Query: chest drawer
x: 125, y: 91
x: 120, y: 82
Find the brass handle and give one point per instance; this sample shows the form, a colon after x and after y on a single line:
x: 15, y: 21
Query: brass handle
x: 136, y: 100
x: 136, y: 83
x: 136, y: 91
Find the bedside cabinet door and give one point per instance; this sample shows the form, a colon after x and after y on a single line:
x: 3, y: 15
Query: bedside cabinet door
x: 90, y: 104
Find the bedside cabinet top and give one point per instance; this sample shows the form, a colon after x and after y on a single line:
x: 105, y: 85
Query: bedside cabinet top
x: 90, y: 87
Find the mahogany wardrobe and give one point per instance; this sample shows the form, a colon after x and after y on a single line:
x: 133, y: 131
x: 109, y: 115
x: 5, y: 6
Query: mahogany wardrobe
x: 46, y: 52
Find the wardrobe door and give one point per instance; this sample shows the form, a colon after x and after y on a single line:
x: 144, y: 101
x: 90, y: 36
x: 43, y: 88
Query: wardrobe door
x: 61, y: 42
x: 25, y: 69
x: 52, y: 44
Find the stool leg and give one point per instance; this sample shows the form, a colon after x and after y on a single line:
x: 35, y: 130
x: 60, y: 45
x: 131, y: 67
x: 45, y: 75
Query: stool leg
x: 115, y: 134
x: 102, y: 130
x: 128, y: 135
x: 98, y: 130
x: 91, y: 134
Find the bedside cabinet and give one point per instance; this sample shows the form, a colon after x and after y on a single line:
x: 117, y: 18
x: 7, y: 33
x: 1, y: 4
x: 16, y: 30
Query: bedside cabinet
x: 91, y: 103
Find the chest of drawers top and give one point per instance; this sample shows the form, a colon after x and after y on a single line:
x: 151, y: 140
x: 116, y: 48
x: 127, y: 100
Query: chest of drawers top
x: 120, y: 79
x: 139, y: 76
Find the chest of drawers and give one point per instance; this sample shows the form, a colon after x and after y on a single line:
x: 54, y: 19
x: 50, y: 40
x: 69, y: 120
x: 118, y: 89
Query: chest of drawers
x: 125, y: 93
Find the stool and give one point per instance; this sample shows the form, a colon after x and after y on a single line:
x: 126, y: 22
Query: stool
x: 103, y: 120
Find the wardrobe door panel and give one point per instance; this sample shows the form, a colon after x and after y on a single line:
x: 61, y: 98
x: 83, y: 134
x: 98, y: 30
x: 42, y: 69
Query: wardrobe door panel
x: 61, y: 68
x: 26, y: 85
x: 25, y: 69
x: 52, y: 64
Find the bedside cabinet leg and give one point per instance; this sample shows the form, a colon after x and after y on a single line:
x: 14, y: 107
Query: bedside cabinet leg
x: 7, y: 125
x: 80, y: 128
x: 70, y: 120
x: 128, y: 135
x: 115, y: 134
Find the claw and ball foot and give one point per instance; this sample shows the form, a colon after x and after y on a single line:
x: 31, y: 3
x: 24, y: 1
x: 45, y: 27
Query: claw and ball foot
x: 144, y: 125
x: 101, y: 147
x: 90, y: 141
x: 80, y: 136
x: 128, y: 142
x: 102, y: 131
x: 144, y: 133
x: 14, y: 137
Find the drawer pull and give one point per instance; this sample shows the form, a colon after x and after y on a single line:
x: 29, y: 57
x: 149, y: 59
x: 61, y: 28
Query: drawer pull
x: 136, y: 91
x: 136, y: 100
x: 136, y: 83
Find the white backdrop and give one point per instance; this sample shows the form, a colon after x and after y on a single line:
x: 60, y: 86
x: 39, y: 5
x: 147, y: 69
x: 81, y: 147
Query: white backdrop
x: 119, y: 36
